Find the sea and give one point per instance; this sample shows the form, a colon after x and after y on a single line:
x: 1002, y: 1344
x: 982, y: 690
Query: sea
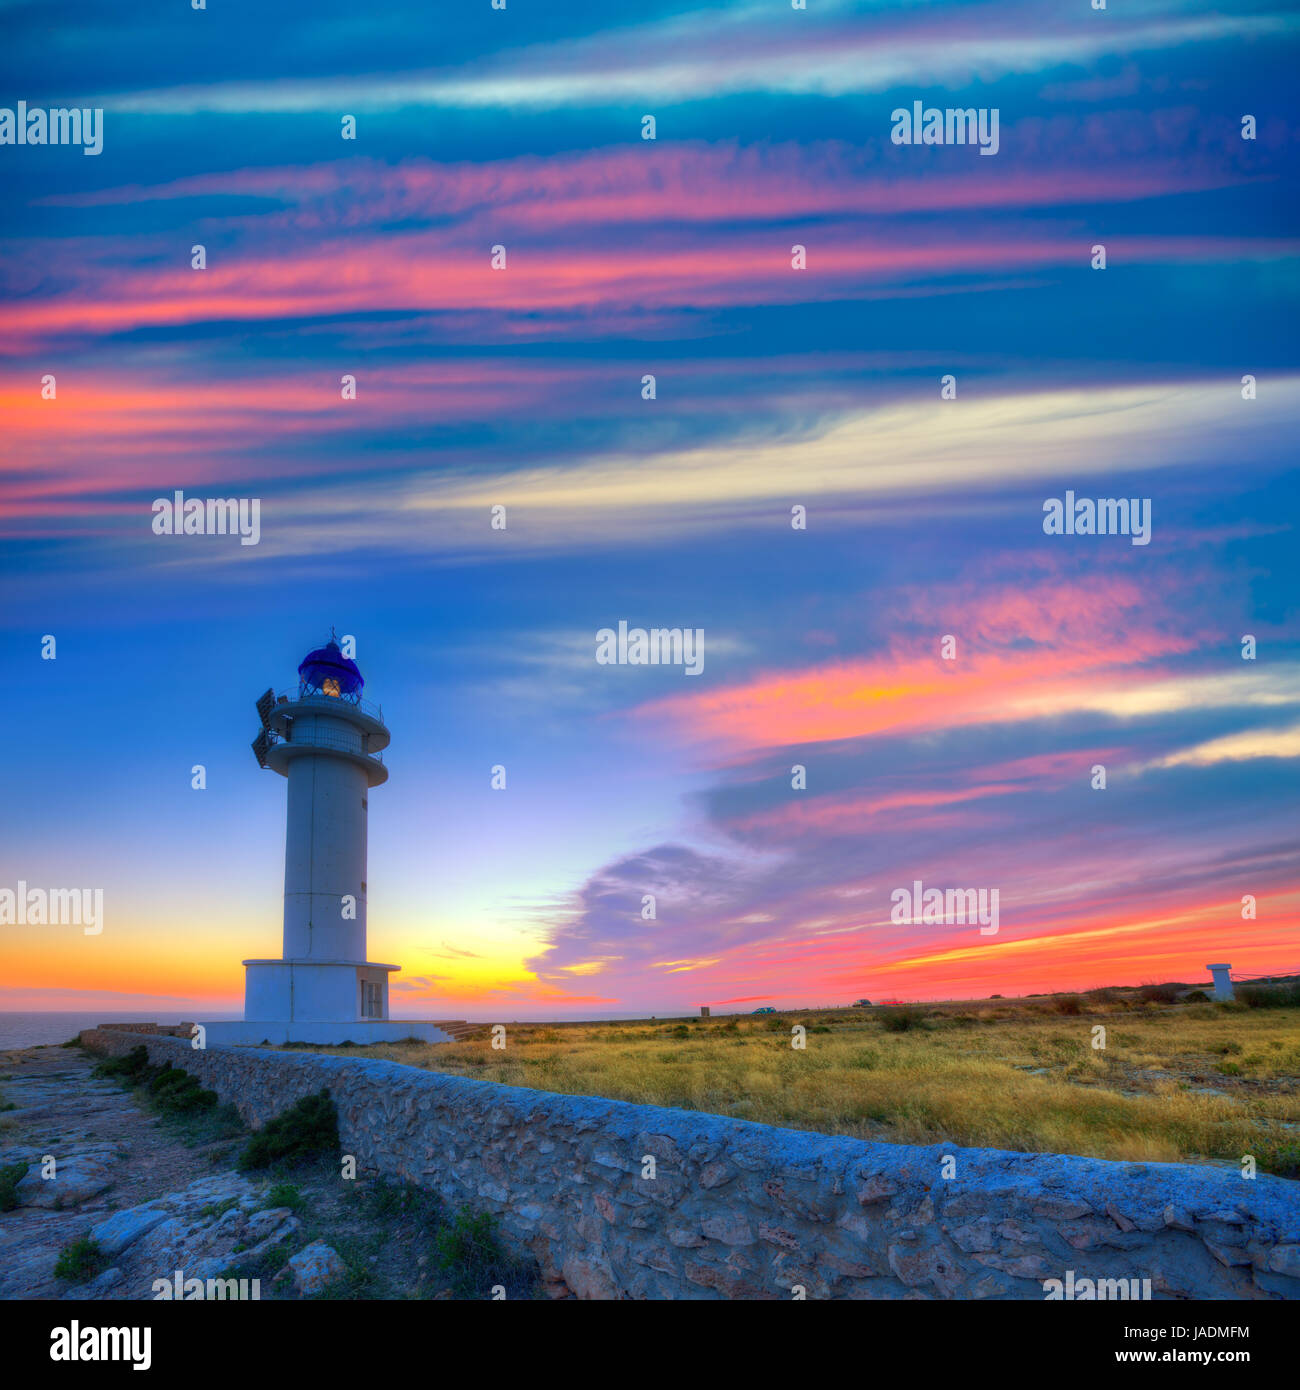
x: 40, y: 1029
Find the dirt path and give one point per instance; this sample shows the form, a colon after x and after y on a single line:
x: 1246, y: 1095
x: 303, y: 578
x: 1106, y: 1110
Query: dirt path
x: 108, y: 1154
x: 95, y: 1162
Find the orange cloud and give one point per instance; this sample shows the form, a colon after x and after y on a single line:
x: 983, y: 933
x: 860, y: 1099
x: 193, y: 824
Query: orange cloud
x: 1018, y: 653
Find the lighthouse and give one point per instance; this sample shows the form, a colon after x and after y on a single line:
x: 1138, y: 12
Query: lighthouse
x: 327, y: 742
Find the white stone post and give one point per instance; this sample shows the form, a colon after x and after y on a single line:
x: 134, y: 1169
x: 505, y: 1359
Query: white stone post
x: 1222, y: 981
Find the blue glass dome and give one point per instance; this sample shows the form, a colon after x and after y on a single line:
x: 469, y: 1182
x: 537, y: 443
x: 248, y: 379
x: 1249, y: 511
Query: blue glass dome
x: 328, y: 670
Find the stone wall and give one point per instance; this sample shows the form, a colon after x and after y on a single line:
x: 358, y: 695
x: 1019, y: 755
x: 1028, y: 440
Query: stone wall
x: 741, y: 1210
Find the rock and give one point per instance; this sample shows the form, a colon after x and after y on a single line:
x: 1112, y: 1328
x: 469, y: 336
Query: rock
x: 778, y: 1235
x: 1285, y: 1259
x: 589, y: 1277
x: 76, y: 1180
x: 1061, y: 1208
x: 1227, y: 1254
x: 316, y: 1267
x: 926, y: 1266
x: 876, y: 1189
x: 840, y: 1267
x: 1018, y: 1266
x: 1092, y: 1234
x: 262, y: 1223
x: 123, y: 1228
x: 1179, y: 1219
x: 729, y: 1285
x: 683, y: 1238
x: 106, y: 1279
x: 281, y: 1233
x: 715, y: 1174
x: 974, y: 1235
x: 607, y: 1158
x: 163, y: 1246
x: 729, y: 1227
x: 655, y: 1259
x: 1119, y: 1218
x: 1021, y: 1234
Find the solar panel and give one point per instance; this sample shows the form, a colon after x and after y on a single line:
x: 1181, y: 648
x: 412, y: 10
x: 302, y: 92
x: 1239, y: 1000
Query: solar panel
x: 265, y: 705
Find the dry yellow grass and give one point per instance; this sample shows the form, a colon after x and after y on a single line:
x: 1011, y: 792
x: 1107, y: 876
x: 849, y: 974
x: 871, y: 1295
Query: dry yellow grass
x: 1173, y: 1083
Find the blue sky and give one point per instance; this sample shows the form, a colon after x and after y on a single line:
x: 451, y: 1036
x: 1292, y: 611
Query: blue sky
x: 775, y: 387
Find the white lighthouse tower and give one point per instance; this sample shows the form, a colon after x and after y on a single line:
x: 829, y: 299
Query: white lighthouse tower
x: 326, y: 741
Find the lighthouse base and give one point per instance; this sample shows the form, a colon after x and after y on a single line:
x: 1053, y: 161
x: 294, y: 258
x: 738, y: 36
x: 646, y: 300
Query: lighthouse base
x: 253, y: 1032
x: 328, y: 1002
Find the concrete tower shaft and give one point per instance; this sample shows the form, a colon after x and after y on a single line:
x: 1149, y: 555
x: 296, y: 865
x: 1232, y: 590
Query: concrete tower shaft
x: 327, y: 753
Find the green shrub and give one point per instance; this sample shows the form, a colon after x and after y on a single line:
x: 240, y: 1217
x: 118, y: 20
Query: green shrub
x: 1159, y: 994
x: 283, y: 1194
x: 1269, y: 996
x: 10, y: 1176
x: 358, y: 1281
x: 469, y: 1253
x: 80, y: 1261
x: 131, y: 1067
x: 176, y: 1092
x: 190, y: 1111
x: 1197, y: 996
x: 309, y: 1128
x: 1069, y: 1004
x: 1280, y: 1157
x: 900, y: 1019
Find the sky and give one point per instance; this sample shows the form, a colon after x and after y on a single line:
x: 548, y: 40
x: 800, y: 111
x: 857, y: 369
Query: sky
x: 1171, y: 376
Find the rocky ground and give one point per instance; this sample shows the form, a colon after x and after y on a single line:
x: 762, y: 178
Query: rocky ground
x: 156, y: 1197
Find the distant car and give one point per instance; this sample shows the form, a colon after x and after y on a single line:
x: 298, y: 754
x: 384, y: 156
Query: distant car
x: 862, y: 1004
x: 766, y: 1009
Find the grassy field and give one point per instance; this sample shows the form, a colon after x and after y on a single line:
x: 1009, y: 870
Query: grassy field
x: 1173, y: 1082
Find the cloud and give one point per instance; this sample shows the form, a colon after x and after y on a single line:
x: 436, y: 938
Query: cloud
x: 718, y: 53
x: 1239, y: 747
x: 957, y: 775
